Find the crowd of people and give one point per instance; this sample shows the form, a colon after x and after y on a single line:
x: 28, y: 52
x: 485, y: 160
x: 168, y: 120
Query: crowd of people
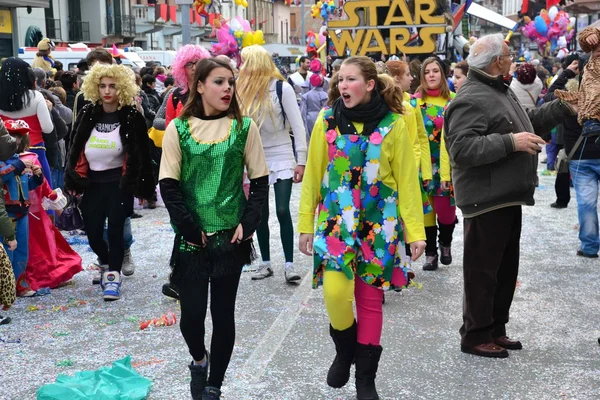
x: 385, y: 153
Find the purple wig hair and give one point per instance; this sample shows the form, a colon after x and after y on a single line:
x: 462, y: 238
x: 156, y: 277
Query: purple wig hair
x: 188, y: 53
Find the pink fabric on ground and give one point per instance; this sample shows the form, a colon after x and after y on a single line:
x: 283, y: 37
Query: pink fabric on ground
x: 369, y: 310
x: 445, y: 212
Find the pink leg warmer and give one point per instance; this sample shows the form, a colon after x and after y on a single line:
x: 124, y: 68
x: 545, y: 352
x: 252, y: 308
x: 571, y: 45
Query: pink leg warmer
x: 369, y: 312
x: 445, y: 212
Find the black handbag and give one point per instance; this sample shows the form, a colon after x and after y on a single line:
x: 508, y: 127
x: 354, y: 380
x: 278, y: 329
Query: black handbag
x: 70, y: 219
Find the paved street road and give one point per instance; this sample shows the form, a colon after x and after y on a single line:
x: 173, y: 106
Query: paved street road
x: 283, y: 349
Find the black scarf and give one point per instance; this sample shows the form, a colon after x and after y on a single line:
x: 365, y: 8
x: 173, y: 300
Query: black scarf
x: 370, y: 114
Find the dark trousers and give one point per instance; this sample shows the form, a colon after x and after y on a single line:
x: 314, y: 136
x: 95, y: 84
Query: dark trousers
x: 103, y: 201
x: 562, y: 187
x: 490, y: 268
x: 193, y: 297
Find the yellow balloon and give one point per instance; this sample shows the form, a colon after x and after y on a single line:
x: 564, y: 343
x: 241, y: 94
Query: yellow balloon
x: 238, y: 2
x: 245, y: 3
x: 248, y: 39
x: 259, y: 37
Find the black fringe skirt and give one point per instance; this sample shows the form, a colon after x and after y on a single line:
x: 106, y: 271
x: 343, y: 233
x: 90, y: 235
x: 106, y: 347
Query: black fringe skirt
x: 219, y: 258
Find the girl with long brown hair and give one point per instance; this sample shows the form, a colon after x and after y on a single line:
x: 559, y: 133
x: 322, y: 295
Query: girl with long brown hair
x: 431, y: 98
x: 204, y: 154
x: 361, y: 175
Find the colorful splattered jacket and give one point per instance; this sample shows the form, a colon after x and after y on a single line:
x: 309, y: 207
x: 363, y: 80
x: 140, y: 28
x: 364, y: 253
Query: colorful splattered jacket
x: 432, y: 110
x: 363, y: 185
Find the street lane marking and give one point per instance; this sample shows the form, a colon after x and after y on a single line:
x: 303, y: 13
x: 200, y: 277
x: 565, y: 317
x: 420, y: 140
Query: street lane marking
x: 257, y: 363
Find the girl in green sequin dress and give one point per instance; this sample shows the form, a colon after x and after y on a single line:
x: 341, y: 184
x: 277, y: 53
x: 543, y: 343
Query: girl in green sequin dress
x: 205, y: 151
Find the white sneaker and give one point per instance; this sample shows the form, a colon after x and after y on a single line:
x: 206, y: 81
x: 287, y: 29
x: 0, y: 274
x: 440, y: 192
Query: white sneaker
x: 290, y: 274
x: 111, y: 281
x: 264, y: 271
x: 98, y: 269
x: 128, y: 267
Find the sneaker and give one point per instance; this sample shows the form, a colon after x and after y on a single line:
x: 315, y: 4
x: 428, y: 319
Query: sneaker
x: 446, y: 257
x: 264, y: 271
x: 558, y: 205
x: 112, y: 285
x: 170, y: 290
x: 211, y: 393
x: 98, y: 270
x: 291, y: 275
x: 128, y: 267
x: 136, y: 215
x: 4, y: 320
x: 151, y: 204
x: 431, y: 263
x: 199, y: 375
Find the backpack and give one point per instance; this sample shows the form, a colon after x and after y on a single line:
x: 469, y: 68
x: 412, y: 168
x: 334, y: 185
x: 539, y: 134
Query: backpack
x: 279, y: 91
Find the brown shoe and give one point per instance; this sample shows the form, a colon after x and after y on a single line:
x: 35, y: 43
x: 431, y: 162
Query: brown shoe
x: 507, y: 343
x: 486, y: 350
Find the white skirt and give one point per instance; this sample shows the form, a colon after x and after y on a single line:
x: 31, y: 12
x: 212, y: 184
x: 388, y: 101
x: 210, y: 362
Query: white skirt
x: 281, y: 162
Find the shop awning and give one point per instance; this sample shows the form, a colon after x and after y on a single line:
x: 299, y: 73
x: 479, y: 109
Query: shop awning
x: 25, y: 3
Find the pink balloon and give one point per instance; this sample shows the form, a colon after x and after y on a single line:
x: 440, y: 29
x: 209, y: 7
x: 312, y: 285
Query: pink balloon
x: 245, y: 24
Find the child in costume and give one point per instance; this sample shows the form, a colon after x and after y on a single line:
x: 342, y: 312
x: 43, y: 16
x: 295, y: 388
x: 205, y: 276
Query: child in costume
x: 19, y: 177
x: 400, y: 71
x: 51, y: 261
x: 205, y: 150
x: 8, y: 147
x: 588, y: 96
x: 432, y: 98
x: 361, y: 174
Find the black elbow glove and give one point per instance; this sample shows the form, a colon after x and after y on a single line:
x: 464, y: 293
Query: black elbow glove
x: 259, y: 192
x: 178, y: 212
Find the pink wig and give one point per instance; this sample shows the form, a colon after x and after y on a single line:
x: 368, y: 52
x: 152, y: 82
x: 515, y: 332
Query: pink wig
x: 188, y: 53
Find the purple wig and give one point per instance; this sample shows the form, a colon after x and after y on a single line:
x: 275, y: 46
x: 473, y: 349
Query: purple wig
x: 188, y: 53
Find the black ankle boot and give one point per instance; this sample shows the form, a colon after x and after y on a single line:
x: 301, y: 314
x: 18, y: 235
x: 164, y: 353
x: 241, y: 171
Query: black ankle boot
x: 345, y: 347
x: 199, y: 378
x: 367, y: 361
x: 211, y: 393
x: 446, y: 232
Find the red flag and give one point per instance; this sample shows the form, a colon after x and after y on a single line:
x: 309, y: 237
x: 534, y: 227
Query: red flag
x: 173, y: 14
x: 163, y: 11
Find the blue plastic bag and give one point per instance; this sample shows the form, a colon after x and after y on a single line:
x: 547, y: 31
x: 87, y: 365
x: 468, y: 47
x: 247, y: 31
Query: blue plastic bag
x: 119, y: 382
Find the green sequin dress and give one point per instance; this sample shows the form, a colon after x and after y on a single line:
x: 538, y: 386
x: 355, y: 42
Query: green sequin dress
x: 211, y: 184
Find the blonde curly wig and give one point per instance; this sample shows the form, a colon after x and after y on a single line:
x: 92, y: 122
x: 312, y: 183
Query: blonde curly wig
x: 124, y: 77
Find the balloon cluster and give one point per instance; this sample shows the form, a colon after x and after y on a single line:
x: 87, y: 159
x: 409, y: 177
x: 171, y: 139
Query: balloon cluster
x: 323, y: 9
x: 548, y: 27
x: 315, y: 42
x: 235, y: 36
x: 243, y: 3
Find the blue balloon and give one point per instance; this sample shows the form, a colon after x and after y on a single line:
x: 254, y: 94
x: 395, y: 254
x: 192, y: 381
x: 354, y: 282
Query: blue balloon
x: 554, y: 45
x: 540, y: 26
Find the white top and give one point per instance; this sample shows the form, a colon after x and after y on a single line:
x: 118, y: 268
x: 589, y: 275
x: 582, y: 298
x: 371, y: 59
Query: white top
x: 274, y: 134
x: 527, y: 94
x: 104, y: 149
x: 37, y: 106
x: 300, y: 84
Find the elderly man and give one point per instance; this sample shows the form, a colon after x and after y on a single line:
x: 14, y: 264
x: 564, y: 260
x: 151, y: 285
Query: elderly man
x: 493, y: 150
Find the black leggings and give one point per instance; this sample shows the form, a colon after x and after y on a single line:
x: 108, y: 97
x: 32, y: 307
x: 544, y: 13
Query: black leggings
x: 193, y: 297
x: 283, y: 192
x: 102, y: 201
